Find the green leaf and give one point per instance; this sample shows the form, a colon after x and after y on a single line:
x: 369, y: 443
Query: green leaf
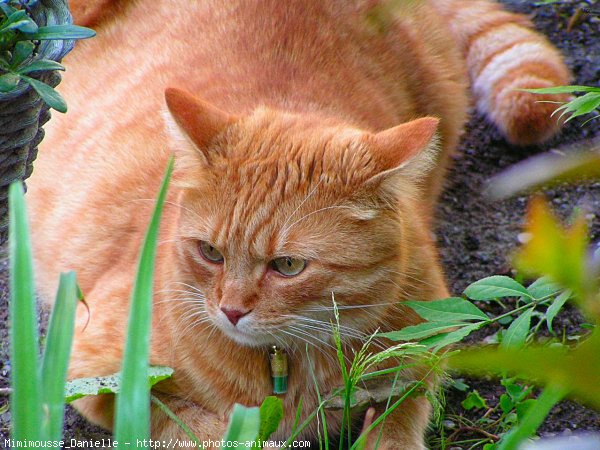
x: 543, y: 287
x: 82, y: 387
x: 7, y: 9
x: 18, y: 21
x: 9, y: 81
x: 26, y: 26
x: 455, y: 309
x: 110, y: 384
x: 48, y: 94
x: 271, y: 413
x: 61, y: 32
x: 517, y: 333
x: 132, y: 410
x: 562, y: 90
x: 516, y: 391
x: 581, y: 105
x: 25, y: 401
x: 496, y: 286
x: 156, y: 374
x: 555, y: 307
x: 40, y: 65
x: 21, y: 52
x: 474, y: 401
x: 523, y: 407
x: 458, y: 384
x: 419, y: 331
x: 506, y: 404
x: 243, y: 426
x: 55, y: 363
x: 442, y: 340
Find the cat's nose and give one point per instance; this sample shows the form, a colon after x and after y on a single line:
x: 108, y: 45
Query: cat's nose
x: 234, y: 315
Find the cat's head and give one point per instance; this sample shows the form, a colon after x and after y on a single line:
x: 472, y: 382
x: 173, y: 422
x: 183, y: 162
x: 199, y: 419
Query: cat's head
x: 281, y: 212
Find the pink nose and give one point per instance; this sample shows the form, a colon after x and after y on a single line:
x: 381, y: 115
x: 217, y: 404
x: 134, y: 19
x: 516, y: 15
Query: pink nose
x: 234, y: 315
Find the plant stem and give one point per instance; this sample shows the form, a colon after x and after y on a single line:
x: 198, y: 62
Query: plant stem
x: 164, y: 408
x: 531, y: 304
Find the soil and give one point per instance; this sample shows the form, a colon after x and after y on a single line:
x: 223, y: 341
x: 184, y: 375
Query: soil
x: 475, y: 235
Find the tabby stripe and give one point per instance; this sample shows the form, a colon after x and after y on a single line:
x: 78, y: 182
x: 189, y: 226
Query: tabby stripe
x: 493, y: 42
x: 505, y: 63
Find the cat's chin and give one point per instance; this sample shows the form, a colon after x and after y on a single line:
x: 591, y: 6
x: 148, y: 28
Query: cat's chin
x: 247, y: 339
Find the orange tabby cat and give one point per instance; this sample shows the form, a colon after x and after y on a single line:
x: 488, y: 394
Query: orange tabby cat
x: 311, y: 138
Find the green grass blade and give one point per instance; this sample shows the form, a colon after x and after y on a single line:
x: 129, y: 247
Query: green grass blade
x: 562, y: 90
x: 25, y: 400
x: 132, y: 419
x: 55, y: 363
x: 180, y: 423
x: 320, y: 400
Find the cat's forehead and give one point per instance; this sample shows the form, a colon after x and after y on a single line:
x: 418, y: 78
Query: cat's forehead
x: 294, y: 152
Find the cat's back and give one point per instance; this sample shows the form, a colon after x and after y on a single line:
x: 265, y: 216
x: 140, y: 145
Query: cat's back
x: 100, y: 165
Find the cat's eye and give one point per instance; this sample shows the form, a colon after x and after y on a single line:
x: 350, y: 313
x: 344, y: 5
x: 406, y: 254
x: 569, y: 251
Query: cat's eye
x: 210, y: 253
x: 288, y: 266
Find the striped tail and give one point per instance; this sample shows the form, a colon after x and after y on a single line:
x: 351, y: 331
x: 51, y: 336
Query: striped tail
x: 504, y: 54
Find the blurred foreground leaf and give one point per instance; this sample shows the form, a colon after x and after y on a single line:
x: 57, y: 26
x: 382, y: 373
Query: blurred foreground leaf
x: 548, y: 169
x: 560, y: 253
x: 271, y: 413
x: 25, y: 400
x: 244, y: 424
x: 575, y: 371
x: 132, y: 411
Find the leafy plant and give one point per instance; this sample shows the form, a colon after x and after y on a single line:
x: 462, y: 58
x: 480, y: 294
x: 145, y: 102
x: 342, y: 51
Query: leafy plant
x: 19, y: 38
x: 39, y: 388
x: 37, y: 399
x: 587, y: 103
x: 450, y: 320
x: 561, y: 254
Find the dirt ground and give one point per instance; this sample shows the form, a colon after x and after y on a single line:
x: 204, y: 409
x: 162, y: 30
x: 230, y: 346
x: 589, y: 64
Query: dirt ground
x: 475, y: 235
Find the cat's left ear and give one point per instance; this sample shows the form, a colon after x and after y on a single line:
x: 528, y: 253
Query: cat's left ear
x: 193, y: 124
x: 410, y: 148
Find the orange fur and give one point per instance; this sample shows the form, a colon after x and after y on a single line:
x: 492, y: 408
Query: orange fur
x: 90, y: 13
x: 504, y: 54
x: 292, y: 125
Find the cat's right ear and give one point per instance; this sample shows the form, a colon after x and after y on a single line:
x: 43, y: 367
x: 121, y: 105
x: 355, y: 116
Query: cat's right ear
x: 193, y: 124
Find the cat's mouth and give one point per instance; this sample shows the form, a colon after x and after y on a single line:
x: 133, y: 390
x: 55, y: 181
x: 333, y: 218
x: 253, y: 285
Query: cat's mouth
x: 246, y: 332
x: 252, y: 333
x: 251, y: 339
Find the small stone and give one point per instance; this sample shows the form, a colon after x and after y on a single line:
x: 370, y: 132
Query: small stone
x: 449, y: 425
x: 524, y: 238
